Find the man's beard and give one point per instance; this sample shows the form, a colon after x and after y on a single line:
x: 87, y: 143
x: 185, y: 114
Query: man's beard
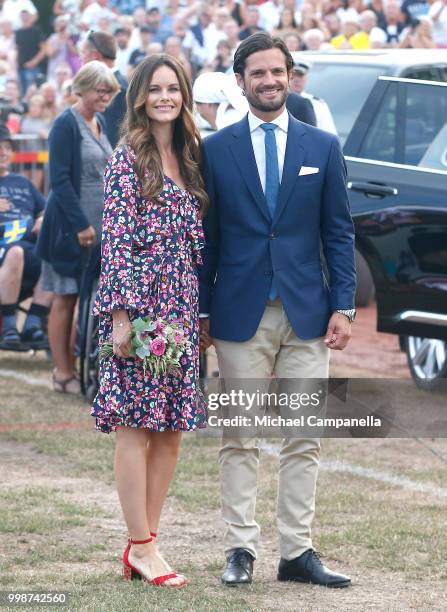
x: 268, y: 106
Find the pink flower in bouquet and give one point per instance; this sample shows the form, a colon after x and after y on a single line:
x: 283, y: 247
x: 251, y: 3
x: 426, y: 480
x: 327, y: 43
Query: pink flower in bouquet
x: 160, y: 328
x: 145, y: 336
x: 158, y: 346
x: 178, y: 336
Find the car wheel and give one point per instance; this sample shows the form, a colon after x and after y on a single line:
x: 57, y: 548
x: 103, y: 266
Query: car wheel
x: 427, y: 360
x: 365, y: 284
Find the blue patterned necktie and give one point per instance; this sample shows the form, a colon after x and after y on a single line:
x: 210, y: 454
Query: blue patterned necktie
x: 271, y: 178
x: 271, y: 166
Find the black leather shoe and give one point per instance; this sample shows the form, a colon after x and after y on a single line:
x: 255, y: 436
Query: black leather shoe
x: 239, y: 568
x: 308, y: 568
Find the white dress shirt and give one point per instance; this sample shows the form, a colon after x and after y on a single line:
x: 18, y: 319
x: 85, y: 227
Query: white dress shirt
x: 323, y: 115
x: 258, y: 141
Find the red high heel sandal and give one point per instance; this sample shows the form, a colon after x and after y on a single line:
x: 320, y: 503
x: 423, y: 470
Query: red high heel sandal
x: 126, y: 550
x: 131, y: 573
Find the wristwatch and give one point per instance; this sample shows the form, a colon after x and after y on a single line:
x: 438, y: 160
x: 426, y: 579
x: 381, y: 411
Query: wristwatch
x: 350, y: 313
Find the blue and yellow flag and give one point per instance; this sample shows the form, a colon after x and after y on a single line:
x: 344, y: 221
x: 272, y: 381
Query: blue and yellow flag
x: 13, y: 231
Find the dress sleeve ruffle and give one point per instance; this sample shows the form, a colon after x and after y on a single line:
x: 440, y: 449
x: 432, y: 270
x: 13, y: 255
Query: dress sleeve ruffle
x: 116, y: 286
x: 195, y: 233
x: 197, y: 242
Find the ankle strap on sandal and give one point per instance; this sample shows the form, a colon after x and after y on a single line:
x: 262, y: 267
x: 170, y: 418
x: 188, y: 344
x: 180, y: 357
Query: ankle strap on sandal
x: 141, y: 541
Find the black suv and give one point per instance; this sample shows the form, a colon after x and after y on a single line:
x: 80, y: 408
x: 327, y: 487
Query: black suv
x: 397, y: 170
x: 344, y: 79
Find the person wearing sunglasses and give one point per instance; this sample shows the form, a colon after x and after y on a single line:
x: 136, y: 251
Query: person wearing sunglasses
x: 101, y: 46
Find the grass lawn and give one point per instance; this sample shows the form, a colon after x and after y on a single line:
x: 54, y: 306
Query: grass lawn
x: 61, y: 526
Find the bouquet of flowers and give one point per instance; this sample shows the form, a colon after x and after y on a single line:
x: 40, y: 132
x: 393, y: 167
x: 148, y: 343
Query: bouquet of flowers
x: 159, y: 344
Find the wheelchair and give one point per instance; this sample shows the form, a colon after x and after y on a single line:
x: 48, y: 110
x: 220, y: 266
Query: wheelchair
x: 88, y: 326
x: 88, y: 329
x: 26, y: 292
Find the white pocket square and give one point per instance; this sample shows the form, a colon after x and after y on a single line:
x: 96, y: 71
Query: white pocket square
x: 308, y: 170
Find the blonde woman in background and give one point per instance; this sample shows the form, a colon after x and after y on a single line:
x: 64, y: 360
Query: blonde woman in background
x: 79, y: 150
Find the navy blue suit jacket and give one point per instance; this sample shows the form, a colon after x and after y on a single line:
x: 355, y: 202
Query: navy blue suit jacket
x: 245, y: 247
x: 114, y: 113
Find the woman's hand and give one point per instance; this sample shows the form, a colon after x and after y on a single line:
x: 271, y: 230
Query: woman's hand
x: 205, y: 338
x: 121, y: 334
x: 87, y: 237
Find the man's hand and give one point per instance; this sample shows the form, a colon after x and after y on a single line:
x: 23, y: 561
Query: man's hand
x: 87, y: 237
x: 338, y: 332
x: 205, y: 339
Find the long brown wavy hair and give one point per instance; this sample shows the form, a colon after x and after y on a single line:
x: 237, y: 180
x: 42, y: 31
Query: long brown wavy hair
x: 137, y: 134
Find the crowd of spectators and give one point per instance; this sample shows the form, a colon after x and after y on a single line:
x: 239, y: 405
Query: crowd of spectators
x: 41, y: 42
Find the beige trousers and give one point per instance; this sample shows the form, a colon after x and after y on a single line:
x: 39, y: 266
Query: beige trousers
x: 274, y: 349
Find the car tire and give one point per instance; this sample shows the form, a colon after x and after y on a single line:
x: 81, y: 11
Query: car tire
x: 365, y: 285
x: 427, y: 360
x: 402, y: 343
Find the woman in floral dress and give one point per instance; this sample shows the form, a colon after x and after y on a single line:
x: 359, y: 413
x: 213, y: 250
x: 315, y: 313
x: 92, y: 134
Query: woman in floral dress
x: 152, y: 236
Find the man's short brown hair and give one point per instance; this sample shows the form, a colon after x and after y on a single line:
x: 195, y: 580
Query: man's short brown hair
x: 104, y: 43
x: 261, y: 41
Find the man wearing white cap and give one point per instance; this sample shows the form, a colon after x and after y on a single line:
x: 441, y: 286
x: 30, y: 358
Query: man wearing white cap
x: 218, y: 99
x: 298, y: 81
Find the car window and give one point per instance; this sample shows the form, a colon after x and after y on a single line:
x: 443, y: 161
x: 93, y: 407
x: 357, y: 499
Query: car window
x: 443, y: 73
x: 421, y: 125
x: 344, y: 88
x: 380, y: 141
x: 426, y: 115
x: 425, y: 73
x: 436, y: 155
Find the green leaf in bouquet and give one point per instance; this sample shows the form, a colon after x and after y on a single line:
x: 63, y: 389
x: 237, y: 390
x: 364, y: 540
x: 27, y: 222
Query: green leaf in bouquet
x: 150, y: 325
x: 138, y: 325
x: 142, y: 325
x: 137, y: 342
x: 106, y: 351
x: 142, y: 352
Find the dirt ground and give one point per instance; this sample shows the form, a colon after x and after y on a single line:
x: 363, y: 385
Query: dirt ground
x: 195, y: 539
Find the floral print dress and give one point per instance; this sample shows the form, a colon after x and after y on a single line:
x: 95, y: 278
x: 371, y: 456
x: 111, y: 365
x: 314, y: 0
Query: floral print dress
x: 150, y: 254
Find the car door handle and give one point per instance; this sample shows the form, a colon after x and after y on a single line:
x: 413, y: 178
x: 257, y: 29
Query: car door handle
x: 373, y: 189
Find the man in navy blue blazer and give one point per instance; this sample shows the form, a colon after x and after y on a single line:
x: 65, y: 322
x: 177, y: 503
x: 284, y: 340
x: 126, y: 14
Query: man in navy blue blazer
x: 278, y: 208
